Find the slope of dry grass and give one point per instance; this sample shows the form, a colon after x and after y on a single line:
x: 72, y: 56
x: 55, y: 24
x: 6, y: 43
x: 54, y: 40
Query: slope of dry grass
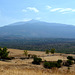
x: 25, y: 67
x: 31, y: 71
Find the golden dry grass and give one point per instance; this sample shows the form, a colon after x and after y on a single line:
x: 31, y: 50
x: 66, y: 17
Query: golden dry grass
x: 31, y: 71
x: 25, y: 67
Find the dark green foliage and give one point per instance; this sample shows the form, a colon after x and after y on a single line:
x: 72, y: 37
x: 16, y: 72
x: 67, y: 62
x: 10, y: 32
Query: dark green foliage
x: 52, y: 50
x: 70, y: 57
x: 4, y: 53
x: 51, y: 65
x: 59, y: 61
x: 46, y: 64
x: 68, y: 63
x: 37, y: 61
x: 47, y: 51
x: 62, y: 45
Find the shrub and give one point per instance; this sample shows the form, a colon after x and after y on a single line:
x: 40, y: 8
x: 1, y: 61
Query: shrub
x: 59, y: 61
x: 37, y: 61
x: 68, y: 63
x: 51, y: 65
x: 70, y: 57
x: 47, y: 51
x: 46, y: 64
x: 4, y: 53
x: 52, y: 51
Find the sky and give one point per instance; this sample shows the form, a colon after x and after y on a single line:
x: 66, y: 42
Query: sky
x: 52, y: 11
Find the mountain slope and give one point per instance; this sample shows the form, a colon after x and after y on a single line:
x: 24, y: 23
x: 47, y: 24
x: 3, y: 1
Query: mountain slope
x: 38, y: 29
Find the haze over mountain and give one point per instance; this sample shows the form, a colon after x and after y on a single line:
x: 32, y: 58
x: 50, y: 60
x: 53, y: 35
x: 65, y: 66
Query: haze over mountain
x: 38, y: 29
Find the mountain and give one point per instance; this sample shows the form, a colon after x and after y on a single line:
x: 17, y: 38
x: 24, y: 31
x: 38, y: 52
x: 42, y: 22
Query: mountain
x: 38, y: 29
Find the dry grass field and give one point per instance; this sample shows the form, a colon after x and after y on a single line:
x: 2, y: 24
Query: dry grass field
x: 25, y: 67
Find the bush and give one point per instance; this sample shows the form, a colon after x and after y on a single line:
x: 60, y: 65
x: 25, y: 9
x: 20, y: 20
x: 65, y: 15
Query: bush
x: 68, y: 63
x: 46, y: 64
x: 37, y: 61
x: 4, y: 53
x: 47, y: 51
x: 51, y: 65
x: 59, y: 61
x: 70, y: 57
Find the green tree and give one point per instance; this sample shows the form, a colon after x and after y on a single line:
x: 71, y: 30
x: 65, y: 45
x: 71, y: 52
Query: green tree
x: 37, y: 61
x: 69, y: 62
x: 70, y: 57
x: 52, y: 51
x: 59, y: 61
x: 25, y: 53
x: 47, y: 51
x: 4, y: 53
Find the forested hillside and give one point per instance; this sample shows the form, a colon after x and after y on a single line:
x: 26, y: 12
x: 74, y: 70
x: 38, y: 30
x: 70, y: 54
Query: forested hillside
x: 39, y: 44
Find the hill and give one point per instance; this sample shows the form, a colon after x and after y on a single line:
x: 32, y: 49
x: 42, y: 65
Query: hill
x: 38, y: 29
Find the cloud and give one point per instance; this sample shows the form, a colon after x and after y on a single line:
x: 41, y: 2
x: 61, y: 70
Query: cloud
x: 61, y: 10
x: 66, y: 9
x: 52, y: 10
x: 33, y: 9
x: 48, y: 7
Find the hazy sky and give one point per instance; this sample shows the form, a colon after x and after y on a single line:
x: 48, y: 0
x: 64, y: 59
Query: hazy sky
x: 58, y: 11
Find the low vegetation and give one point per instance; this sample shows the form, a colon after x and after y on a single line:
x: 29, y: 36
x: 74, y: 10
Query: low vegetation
x: 37, y: 60
x: 35, y: 63
x: 3, y: 53
x: 50, y: 65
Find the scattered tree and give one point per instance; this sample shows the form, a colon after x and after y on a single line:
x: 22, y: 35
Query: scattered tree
x: 47, y: 51
x: 52, y: 51
x: 70, y: 57
x: 25, y: 53
x: 37, y: 61
x: 59, y: 61
x: 4, y: 53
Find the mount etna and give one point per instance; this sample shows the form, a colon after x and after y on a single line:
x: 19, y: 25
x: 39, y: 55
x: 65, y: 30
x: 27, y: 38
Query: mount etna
x: 38, y: 29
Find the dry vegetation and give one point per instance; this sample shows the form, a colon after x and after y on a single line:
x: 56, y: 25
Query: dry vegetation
x: 25, y: 67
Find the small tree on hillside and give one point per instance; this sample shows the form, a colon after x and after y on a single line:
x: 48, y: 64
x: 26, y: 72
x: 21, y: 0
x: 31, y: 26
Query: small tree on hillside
x: 70, y: 57
x: 4, y: 53
x: 52, y: 51
x: 47, y: 51
x: 25, y: 53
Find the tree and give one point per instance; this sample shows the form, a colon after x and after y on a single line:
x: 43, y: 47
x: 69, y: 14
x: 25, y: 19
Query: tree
x: 59, y: 61
x: 4, y: 53
x: 69, y: 62
x: 25, y: 53
x: 52, y: 51
x: 70, y: 57
x: 47, y: 51
x: 37, y: 61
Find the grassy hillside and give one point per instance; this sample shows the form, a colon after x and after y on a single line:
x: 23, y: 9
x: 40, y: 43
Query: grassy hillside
x: 18, y: 66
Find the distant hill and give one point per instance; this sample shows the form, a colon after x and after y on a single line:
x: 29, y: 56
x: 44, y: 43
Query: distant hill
x: 38, y: 29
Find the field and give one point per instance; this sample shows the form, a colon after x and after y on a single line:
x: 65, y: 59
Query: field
x: 20, y: 66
